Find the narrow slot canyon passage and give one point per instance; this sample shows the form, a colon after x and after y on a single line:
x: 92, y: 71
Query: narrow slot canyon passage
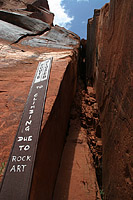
x: 79, y: 147
x: 81, y: 164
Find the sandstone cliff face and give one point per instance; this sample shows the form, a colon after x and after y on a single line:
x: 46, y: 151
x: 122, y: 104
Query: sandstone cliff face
x: 27, y: 37
x: 15, y: 4
x: 24, y: 42
x: 91, y: 45
x: 112, y: 77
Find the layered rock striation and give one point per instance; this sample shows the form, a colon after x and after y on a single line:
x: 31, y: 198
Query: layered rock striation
x: 25, y: 40
x: 27, y: 36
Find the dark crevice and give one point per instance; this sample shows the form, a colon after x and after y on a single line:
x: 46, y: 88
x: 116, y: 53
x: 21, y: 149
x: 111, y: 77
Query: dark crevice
x: 2, y: 91
x: 1, y: 3
x: 90, y: 119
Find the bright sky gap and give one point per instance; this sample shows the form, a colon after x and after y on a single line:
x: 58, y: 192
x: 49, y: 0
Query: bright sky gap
x: 73, y: 14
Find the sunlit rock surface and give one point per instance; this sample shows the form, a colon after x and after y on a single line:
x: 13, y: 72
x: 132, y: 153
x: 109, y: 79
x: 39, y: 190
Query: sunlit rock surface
x: 27, y: 37
x: 25, y: 40
x: 109, y: 65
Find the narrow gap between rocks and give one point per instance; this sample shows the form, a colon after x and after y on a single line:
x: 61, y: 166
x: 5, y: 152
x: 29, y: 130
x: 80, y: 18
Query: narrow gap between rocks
x: 83, y: 130
x: 89, y: 116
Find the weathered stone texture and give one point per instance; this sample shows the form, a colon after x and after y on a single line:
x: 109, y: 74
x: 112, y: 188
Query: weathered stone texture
x: 53, y: 134
x: 17, y: 72
x: 113, y: 82
x: 18, y: 63
x: 25, y: 22
x: 91, y: 45
x: 77, y: 177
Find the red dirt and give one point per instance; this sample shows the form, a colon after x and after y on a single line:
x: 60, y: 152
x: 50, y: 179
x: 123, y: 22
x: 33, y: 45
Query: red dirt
x: 77, y: 178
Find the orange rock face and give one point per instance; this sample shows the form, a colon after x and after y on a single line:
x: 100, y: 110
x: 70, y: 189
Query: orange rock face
x: 35, y: 9
x: 17, y: 71
x: 19, y: 58
x: 112, y: 76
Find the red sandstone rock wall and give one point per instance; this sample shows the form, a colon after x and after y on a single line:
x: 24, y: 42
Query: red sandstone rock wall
x: 14, y: 4
x: 112, y: 74
x: 20, y: 53
x: 52, y: 139
x: 91, y: 45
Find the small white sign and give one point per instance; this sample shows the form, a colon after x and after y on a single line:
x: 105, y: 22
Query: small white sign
x: 42, y: 72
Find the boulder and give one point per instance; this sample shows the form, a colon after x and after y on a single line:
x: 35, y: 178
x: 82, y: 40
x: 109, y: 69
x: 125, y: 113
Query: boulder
x: 40, y: 13
x: 25, y: 22
x: 12, y: 32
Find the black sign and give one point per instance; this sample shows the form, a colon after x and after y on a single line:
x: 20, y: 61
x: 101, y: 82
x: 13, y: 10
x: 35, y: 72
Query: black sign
x: 18, y: 174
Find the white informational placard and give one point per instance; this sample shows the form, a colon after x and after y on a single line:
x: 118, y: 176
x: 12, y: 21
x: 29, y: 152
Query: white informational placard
x: 42, y: 72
